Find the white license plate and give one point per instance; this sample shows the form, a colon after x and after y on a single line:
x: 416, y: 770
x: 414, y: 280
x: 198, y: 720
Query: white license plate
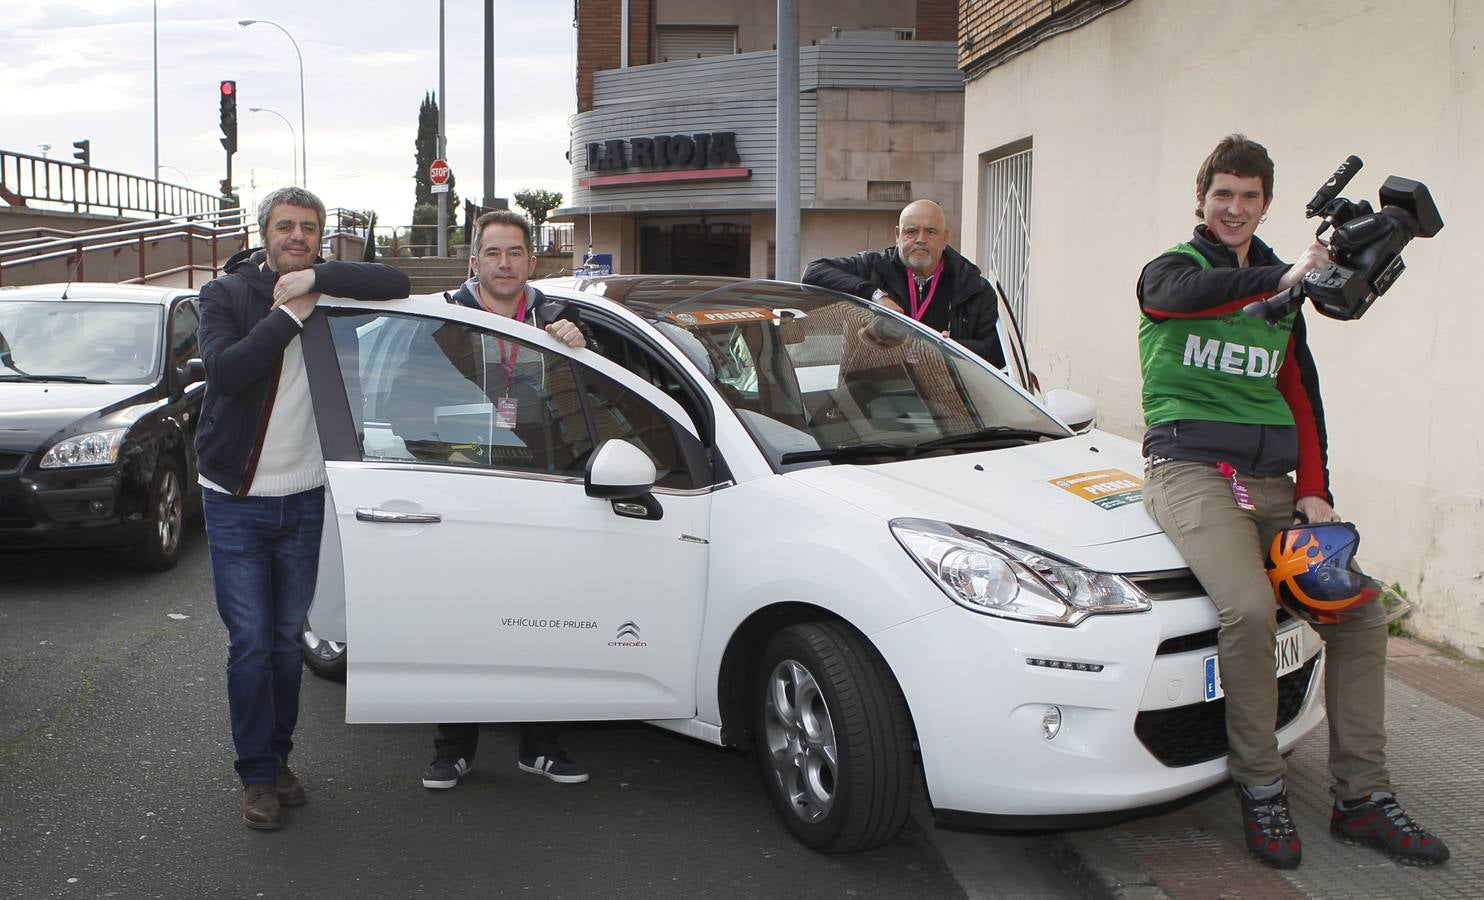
x: 1287, y: 657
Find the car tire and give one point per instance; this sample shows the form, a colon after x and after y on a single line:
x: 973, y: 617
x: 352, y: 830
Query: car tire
x: 160, y: 548
x: 324, y: 658
x: 833, y: 738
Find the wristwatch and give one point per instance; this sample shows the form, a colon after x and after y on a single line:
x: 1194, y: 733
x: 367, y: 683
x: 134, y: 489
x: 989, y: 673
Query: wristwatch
x: 879, y: 295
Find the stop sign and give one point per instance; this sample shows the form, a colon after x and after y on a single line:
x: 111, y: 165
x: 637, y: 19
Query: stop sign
x: 438, y: 171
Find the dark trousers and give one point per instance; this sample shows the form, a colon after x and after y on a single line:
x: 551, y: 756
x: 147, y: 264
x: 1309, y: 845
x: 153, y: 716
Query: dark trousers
x: 264, y: 560
x: 461, y: 739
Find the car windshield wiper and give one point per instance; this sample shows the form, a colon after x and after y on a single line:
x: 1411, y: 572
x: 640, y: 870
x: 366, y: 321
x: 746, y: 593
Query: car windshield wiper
x: 848, y: 451
x: 994, y: 433
x: 71, y: 379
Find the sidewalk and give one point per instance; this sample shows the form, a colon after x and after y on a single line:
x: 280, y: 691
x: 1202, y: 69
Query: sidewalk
x: 1434, y: 708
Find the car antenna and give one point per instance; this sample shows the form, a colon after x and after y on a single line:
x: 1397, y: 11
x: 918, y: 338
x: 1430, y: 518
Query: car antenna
x: 73, y: 265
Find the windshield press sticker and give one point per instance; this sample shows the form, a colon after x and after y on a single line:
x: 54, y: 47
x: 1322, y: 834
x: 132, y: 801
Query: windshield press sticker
x: 704, y: 317
x: 1108, y: 488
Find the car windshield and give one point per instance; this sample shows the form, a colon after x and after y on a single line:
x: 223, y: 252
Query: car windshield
x: 79, y: 340
x: 816, y: 376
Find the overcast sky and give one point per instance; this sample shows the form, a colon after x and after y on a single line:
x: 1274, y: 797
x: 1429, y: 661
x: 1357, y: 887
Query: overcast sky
x: 76, y: 70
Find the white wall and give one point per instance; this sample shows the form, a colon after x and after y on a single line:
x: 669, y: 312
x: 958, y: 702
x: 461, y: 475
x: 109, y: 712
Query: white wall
x: 1122, y: 111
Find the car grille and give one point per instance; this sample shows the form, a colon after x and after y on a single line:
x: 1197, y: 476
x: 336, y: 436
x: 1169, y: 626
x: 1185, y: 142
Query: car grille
x: 10, y: 462
x: 1186, y: 735
x: 1204, y: 640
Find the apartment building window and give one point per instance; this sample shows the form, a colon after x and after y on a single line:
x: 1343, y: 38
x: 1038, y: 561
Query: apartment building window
x: 1006, y: 214
x: 695, y: 41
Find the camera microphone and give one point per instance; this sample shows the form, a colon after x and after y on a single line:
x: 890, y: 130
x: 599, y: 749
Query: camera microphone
x: 1331, y: 189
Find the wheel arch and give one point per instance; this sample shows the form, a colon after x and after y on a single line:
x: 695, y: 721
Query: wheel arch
x: 734, y: 685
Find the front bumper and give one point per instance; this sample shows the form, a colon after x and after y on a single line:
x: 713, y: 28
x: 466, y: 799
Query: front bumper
x: 978, y: 704
x: 84, y: 507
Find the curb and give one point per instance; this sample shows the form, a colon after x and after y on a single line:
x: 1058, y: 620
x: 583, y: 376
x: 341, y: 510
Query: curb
x: 1096, y: 864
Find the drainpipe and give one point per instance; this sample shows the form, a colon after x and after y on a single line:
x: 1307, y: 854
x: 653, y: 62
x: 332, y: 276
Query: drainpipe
x: 786, y: 224
x: 623, y: 49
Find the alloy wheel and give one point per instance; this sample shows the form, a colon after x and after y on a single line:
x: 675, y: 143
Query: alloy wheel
x: 800, y: 737
x: 169, y: 513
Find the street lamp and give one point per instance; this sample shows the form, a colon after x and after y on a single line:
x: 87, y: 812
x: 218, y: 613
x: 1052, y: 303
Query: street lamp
x: 294, y: 145
x: 304, y: 144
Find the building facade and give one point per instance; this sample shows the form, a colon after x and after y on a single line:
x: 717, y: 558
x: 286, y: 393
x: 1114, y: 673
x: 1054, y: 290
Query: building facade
x: 1085, y: 123
x: 674, y: 148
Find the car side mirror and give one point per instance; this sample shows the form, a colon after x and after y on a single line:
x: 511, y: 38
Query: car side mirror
x: 193, y: 371
x: 1079, y: 411
x: 618, y: 470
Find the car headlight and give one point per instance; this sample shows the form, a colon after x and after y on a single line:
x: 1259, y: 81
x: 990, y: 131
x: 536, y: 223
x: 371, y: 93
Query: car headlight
x: 96, y: 448
x: 1000, y: 577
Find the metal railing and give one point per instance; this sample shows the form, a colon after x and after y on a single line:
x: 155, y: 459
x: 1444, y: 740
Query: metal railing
x: 422, y: 240
x: 33, y: 182
x: 44, y: 251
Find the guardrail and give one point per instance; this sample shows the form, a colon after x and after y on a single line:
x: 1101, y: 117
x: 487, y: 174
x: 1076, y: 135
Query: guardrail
x: 53, y: 183
x: 422, y: 240
x: 69, y: 255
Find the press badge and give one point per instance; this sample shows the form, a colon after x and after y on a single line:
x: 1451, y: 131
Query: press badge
x: 1240, y: 494
x: 505, y: 412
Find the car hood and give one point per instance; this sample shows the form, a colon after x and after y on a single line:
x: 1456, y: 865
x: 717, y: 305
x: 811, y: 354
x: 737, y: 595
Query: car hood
x: 1078, y: 497
x: 30, y: 412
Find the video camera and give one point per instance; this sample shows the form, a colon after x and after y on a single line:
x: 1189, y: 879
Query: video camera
x: 1365, y: 247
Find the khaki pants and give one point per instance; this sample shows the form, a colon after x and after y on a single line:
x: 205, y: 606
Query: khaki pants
x: 1225, y: 547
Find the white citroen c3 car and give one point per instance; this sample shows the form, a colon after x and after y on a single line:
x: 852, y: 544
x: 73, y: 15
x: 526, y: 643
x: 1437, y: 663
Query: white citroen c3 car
x: 771, y: 516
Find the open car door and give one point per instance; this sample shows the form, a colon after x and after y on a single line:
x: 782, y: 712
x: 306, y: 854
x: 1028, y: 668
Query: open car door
x: 482, y: 583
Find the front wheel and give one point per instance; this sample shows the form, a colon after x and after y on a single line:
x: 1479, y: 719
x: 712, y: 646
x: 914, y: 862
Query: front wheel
x: 160, y: 548
x: 834, y: 738
x: 324, y: 658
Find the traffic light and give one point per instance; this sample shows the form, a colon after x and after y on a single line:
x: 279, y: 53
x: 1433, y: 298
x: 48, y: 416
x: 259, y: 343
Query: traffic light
x: 226, y: 184
x: 84, y: 153
x: 229, y: 116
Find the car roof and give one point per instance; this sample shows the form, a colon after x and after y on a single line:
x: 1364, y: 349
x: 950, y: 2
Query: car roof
x: 651, y: 296
x: 97, y: 290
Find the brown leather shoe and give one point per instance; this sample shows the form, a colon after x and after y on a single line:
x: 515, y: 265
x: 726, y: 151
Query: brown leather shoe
x: 260, y: 808
x: 290, y: 791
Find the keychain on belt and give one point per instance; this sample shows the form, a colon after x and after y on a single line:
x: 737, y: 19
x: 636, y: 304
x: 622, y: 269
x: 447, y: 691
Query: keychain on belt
x: 1239, y: 490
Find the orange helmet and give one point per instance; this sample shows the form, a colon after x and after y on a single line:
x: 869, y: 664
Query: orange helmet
x: 1315, y: 576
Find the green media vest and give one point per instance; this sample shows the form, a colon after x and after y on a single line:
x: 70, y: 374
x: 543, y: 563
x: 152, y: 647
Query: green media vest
x: 1219, y: 369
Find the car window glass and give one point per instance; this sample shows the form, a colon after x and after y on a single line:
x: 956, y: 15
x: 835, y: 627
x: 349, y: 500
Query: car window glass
x: 433, y: 391
x: 617, y: 413
x: 649, y: 365
x: 818, y: 373
x: 184, y: 323
x: 116, y: 342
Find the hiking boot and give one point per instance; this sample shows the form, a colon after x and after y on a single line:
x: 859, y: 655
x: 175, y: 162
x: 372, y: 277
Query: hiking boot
x: 554, y: 765
x: 1270, y: 834
x: 290, y: 791
x: 260, y: 808
x: 1379, y: 821
x: 442, y: 774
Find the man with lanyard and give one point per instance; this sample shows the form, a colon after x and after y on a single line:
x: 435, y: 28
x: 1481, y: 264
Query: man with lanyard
x: 940, y: 288
x: 1232, y: 406
x: 503, y: 261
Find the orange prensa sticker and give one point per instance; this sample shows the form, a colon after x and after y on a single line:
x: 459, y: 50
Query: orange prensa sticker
x: 704, y: 317
x: 1108, y: 488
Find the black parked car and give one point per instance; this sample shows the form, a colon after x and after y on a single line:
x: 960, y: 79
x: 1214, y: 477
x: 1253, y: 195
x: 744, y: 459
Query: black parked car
x: 100, y: 389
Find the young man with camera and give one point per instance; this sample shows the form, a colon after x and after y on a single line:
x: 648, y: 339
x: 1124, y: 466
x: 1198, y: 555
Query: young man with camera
x: 1232, y: 407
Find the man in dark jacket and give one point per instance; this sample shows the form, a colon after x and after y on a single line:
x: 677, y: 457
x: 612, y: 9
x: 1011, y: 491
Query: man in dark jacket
x: 922, y: 277
x: 503, y: 260
x: 263, y: 475
x: 1232, y: 406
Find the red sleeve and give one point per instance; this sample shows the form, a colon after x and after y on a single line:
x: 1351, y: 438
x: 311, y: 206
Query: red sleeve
x: 1312, y: 479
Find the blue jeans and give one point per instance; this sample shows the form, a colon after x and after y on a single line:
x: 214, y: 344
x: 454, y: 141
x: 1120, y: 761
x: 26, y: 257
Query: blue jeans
x: 264, y: 559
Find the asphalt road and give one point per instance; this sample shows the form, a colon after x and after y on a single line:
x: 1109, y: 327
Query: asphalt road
x: 116, y: 780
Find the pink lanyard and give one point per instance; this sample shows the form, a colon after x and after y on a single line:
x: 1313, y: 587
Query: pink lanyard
x: 917, y: 310
x: 509, y: 365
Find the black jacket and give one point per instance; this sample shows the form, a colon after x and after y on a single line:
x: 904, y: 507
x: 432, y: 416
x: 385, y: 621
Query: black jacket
x: 541, y: 310
x: 1173, y: 285
x: 973, y: 308
x: 242, y: 343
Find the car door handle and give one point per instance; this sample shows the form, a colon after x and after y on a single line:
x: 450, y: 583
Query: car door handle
x: 367, y: 514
